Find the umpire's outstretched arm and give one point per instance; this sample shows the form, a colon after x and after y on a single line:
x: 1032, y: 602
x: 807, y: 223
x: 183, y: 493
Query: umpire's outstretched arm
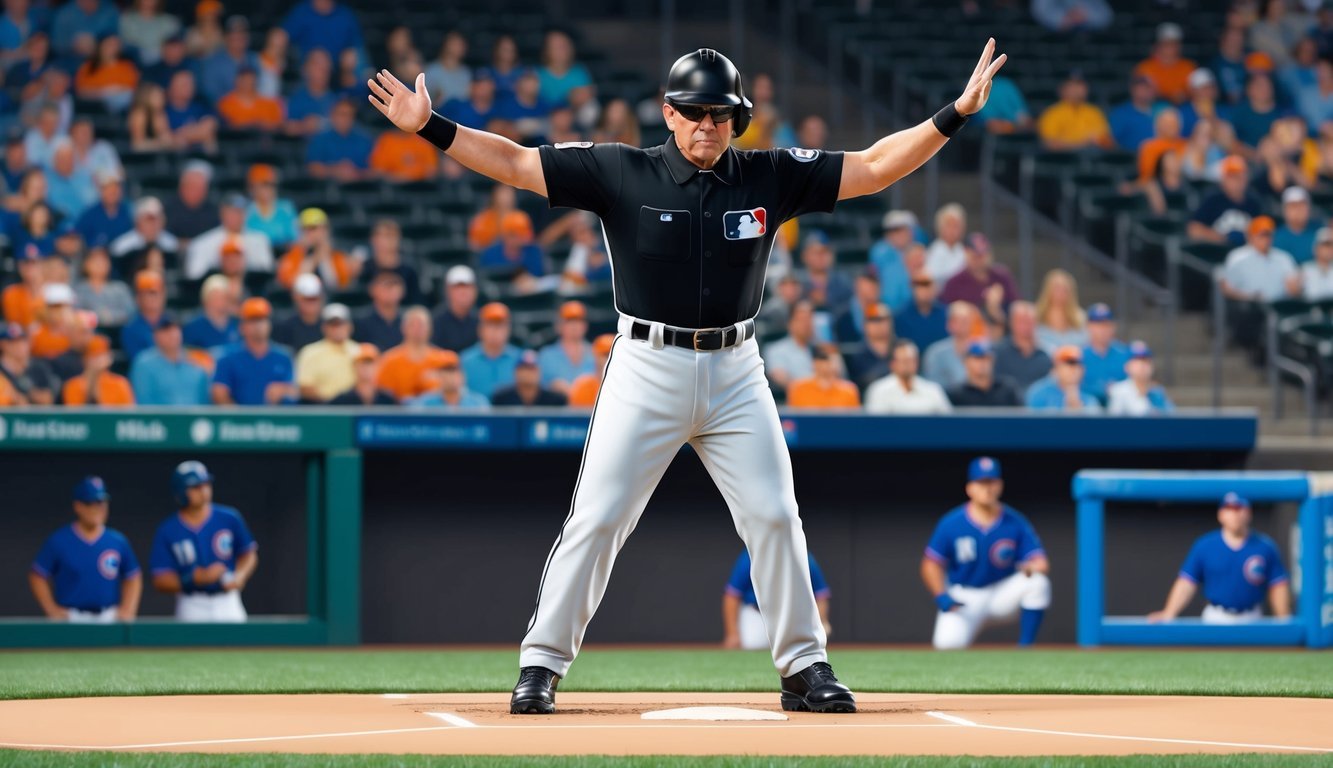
x: 486, y: 153
x: 898, y: 154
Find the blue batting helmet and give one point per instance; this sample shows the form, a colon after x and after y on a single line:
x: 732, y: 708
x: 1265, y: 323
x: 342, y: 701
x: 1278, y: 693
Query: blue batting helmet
x: 187, y: 475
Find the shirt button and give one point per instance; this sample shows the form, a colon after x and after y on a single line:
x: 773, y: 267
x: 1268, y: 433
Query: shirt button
x: 706, y: 291
x: 708, y: 214
x: 708, y: 254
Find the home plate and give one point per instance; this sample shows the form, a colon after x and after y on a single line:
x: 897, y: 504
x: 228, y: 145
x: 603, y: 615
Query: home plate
x: 712, y: 713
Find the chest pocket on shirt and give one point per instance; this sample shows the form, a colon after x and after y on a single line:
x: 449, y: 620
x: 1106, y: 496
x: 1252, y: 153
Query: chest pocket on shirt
x: 664, y: 235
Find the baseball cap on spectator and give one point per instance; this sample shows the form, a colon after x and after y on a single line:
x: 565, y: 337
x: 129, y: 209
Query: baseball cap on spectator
x: 1262, y: 224
x: 386, y: 276
x: 602, y: 344
x: 235, y: 200
x: 1259, y: 62
x: 870, y: 270
x: 208, y: 8
x: 232, y: 244
x: 91, y: 489
x: 167, y: 320
x: 1294, y: 194
x: 313, y: 217
x: 107, y: 176
x: 979, y: 348
x: 1232, y: 164
x: 256, y: 308
x: 821, y: 353
x: 460, y: 274
x: 336, y: 313
x: 495, y: 312
x: 815, y: 237
x: 237, y: 23
x: 878, y: 312
x: 573, y: 310
x: 528, y: 359
x: 1168, y: 30
x: 148, y: 280
x: 516, y: 223
x: 198, y: 166
x: 148, y: 206
x: 1233, y: 499
x: 1323, y: 235
x: 57, y: 294
x: 1100, y: 313
x: 983, y: 468
x: 97, y: 345
x: 1139, y: 350
x: 448, y: 360
x: 308, y: 286
x: 1069, y: 354
x: 12, y: 332
x: 978, y: 242
x: 1201, y: 77
x: 30, y: 253
x: 1140, y: 79
x: 366, y: 352
x: 261, y: 173
x: 899, y: 219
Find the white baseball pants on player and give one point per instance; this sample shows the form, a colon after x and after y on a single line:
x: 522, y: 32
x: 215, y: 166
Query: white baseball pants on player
x: 223, y: 607
x: 1216, y: 614
x: 105, y: 616
x: 653, y: 399
x: 753, y: 631
x: 997, y: 603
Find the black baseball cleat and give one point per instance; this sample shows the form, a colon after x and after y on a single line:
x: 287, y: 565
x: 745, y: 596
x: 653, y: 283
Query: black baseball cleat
x: 816, y: 689
x: 535, y: 692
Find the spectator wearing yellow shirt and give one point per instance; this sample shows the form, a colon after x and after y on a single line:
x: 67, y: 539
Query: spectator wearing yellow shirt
x: 1072, y: 123
x: 326, y: 368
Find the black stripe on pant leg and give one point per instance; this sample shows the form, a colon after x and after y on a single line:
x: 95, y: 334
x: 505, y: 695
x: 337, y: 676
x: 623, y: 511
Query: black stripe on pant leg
x: 582, y: 462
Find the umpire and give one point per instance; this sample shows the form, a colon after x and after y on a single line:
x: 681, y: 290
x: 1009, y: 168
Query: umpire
x: 689, y: 226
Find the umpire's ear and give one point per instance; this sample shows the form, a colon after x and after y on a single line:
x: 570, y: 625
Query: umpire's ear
x: 668, y: 114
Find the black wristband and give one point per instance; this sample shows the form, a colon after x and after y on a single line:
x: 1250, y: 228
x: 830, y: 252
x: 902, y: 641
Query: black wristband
x: 439, y: 131
x: 949, y: 120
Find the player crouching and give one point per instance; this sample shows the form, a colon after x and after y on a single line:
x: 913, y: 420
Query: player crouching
x: 994, y: 563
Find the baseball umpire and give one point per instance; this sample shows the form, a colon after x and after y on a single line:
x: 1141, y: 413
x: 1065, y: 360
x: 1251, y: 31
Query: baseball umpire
x: 204, y: 554
x: 689, y: 226
x: 86, y: 573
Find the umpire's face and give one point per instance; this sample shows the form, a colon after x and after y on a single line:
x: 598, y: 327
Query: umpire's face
x: 701, y: 141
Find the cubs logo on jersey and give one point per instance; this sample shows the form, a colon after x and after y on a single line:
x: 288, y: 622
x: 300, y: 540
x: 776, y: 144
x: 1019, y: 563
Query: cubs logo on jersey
x: 1256, y: 570
x: 108, y: 564
x: 222, y: 544
x: 745, y: 225
x: 1002, y: 552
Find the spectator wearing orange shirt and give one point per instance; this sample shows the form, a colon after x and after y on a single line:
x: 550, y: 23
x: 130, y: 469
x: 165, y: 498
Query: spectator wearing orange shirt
x: 246, y: 107
x: 1166, y: 138
x: 1167, y: 70
x: 399, y: 156
x: 403, y: 369
x: 314, y: 253
x: 23, y: 300
x: 484, y: 229
x: 50, y: 339
x: 583, y: 392
x: 9, y: 396
x: 107, y: 76
x: 98, y: 385
x: 826, y: 389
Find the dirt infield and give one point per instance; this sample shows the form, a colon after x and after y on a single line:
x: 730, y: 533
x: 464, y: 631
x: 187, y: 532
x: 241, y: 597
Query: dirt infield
x: 612, y: 723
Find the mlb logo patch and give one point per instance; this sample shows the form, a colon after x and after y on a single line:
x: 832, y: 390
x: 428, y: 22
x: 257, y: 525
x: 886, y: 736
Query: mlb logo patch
x: 745, y: 225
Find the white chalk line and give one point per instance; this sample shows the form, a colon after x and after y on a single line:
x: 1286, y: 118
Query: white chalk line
x: 247, y: 740
x: 452, y: 719
x: 955, y: 720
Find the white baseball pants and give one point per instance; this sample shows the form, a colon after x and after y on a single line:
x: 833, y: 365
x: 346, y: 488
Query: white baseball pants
x: 653, y: 400
x: 753, y: 631
x: 1216, y: 614
x: 105, y: 616
x: 221, y: 607
x: 994, y: 604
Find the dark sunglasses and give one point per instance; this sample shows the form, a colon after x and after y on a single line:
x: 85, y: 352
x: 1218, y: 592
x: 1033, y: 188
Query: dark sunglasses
x: 695, y: 113
x: 923, y: 284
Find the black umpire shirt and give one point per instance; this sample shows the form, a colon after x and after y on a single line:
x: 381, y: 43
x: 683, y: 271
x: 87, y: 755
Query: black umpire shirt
x: 689, y: 247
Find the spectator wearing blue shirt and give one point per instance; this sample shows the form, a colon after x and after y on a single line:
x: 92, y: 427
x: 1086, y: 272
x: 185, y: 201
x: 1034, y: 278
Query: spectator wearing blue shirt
x: 164, y: 375
x: 1224, y: 215
x: 17, y: 23
x: 569, y: 356
x: 888, y: 256
x: 69, y: 188
x: 1229, y: 64
x: 565, y: 81
x: 489, y: 364
x: 924, y: 321
x: 526, y: 109
x: 742, y: 624
x: 15, y: 163
x: 91, y: 19
x: 1138, y: 394
x: 1005, y: 111
x: 216, y: 328
x: 849, y: 327
x: 341, y: 153
x: 323, y: 24
x: 1132, y: 122
x: 255, y: 372
x: 1104, y: 356
x: 1203, y: 102
x: 1063, y: 389
x: 1255, y: 115
x: 827, y: 288
x: 1070, y: 16
x: 108, y: 218
x: 267, y: 213
x: 1298, y: 82
x: 942, y: 361
x: 505, y: 67
x: 514, y: 254
x: 1236, y: 567
x: 1296, y: 233
x: 478, y: 108
x: 217, y: 72
x: 451, y: 389
x: 87, y: 572
x: 311, y: 102
x: 40, y: 140
x: 151, y: 299
x: 172, y: 59
x: 192, y: 125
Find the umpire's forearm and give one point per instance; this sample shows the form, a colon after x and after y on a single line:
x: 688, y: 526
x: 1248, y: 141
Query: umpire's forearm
x: 498, y: 158
x: 898, y: 154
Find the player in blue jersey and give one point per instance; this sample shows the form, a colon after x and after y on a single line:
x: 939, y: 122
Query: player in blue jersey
x: 87, y: 572
x: 203, y: 554
x: 1236, y: 567
x: 985, y: 564
x: 743, y: 625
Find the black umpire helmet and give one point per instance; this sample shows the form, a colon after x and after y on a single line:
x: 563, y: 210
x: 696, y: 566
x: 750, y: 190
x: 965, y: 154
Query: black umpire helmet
x: 707, y: 77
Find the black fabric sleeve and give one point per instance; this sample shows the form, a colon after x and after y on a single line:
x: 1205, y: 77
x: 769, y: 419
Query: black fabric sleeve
x: 807, y: 180
x: 582, y: 175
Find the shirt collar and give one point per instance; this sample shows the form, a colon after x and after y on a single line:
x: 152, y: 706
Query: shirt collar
x: 727, y: 169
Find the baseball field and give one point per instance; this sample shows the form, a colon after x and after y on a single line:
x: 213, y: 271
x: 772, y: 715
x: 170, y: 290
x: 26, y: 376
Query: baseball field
x: 416, y: 707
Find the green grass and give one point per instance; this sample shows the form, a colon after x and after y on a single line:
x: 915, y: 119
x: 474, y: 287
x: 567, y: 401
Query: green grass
x: 116, y: 760
x: 46, y: 674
